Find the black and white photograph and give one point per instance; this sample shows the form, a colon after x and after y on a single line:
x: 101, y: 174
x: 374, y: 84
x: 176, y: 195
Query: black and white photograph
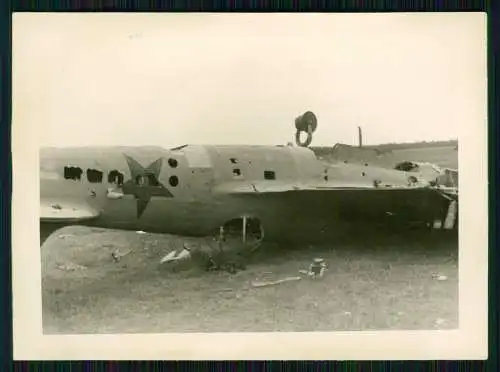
x: 249, y: 181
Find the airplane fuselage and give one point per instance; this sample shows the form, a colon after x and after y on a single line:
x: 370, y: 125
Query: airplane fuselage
x: 195, y: 189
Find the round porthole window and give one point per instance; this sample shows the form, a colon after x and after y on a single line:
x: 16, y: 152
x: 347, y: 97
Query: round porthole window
x: 173, y: 181
x: 173, y: 163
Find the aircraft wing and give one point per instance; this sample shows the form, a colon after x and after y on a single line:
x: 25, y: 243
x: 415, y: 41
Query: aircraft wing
x: 361, y: 190
x: 57, y: 206
x: 349, y: 200
x: 287, y: 187
x: 66, y: 210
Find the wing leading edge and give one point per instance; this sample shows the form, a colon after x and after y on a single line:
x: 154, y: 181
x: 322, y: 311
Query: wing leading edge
x: 66, y: 211
x: 352, y: 202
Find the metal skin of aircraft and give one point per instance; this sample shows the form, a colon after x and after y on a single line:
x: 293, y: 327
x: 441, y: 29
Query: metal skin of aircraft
x: 278, y: 193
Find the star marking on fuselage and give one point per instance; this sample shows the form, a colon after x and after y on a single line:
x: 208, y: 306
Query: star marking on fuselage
x: 144, y: 183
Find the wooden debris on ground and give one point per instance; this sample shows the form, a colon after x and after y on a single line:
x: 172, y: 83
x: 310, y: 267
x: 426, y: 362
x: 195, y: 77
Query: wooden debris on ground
x: 70, y: 267
x: 116, y: 255
x: 274, y: 282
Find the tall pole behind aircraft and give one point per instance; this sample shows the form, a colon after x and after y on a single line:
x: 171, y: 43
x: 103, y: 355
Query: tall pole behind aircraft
x: 360, y: 137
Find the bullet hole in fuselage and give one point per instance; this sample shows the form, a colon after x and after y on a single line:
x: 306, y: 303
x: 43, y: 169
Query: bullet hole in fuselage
x: 406, y: 166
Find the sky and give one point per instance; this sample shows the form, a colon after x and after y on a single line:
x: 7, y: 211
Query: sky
x: 173, y: 79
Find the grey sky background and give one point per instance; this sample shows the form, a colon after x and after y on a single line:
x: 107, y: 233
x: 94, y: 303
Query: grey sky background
x: 172, y: 79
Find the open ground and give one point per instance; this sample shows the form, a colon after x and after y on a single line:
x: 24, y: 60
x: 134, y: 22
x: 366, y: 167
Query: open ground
x: 372, y: 283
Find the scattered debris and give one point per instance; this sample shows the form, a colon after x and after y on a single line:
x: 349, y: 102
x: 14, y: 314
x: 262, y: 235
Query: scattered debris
x: 266, y: 284
x: 229, y: 266
x: 116, y: 255
x: 317, y: 268
x: 70, y: 267
x: 439, y: 277
x: 209, y: 258
x: 439, y: 321
x: 347, y: 313
x: 226, y: 290
x: 174, y: 256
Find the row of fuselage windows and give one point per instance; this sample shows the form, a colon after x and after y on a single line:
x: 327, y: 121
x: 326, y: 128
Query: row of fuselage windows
x: 114, y: 177
x: 93, y: 175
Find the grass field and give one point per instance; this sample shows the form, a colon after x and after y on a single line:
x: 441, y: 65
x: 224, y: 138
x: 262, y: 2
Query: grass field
x: 373, y: 283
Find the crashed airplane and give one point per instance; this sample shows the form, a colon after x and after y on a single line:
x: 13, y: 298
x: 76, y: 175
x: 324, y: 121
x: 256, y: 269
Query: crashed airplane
x: 277, y: 193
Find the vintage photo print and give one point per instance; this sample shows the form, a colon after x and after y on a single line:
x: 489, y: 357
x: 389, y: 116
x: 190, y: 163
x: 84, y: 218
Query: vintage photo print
x: 249, y: 186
